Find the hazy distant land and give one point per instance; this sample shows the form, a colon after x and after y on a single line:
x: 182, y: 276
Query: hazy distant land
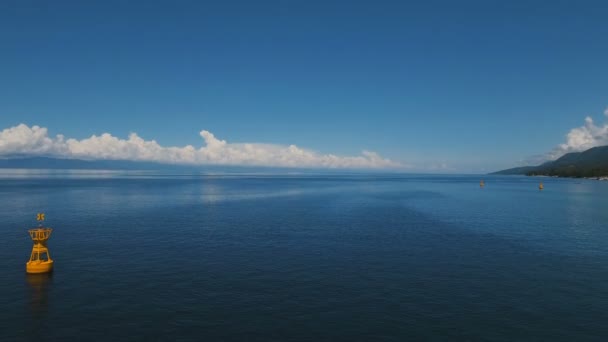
x: 53, y: 163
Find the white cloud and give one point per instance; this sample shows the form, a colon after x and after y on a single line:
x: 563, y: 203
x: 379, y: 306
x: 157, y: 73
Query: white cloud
x: 25, y: 140
x: 585, y: 137
x: 578, y: 139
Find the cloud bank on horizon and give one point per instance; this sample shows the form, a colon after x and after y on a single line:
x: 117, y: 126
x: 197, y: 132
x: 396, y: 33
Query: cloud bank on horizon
x: 35, y: 141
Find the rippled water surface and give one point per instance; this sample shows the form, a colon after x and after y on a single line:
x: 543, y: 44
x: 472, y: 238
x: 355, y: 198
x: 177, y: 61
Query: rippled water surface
x: 145, y: 256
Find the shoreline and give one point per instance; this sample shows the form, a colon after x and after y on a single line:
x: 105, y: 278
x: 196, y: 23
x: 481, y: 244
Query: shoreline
x: 599, y: 178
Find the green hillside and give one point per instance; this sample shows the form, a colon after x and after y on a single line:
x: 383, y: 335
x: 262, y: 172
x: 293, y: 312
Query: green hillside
x: 590, y: 163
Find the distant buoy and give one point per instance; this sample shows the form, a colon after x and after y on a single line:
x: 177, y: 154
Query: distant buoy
x: 482, y: 184
x: 541, y: 186
x: 40, y: 259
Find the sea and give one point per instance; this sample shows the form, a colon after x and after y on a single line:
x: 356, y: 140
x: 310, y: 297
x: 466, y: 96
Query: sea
x: 161, y: 256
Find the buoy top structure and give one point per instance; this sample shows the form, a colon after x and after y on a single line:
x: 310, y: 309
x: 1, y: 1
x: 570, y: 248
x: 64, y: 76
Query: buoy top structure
x: 40, y: 259
x: 541, y: 186
x: 482, y: 183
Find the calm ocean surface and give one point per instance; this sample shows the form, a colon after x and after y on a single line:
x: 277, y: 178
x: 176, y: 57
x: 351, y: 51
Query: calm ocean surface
x: 147, y: 257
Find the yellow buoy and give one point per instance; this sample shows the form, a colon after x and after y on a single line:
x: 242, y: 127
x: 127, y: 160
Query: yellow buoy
x: 482, y: 184
x: 541, y: 186
x: 40, y: 259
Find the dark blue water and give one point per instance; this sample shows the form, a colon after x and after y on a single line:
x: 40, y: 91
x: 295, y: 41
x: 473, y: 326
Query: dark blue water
x: 141, y: 257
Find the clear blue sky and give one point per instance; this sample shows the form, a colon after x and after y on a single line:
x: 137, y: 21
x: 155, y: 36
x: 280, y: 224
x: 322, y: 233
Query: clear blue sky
x: 474, y: 84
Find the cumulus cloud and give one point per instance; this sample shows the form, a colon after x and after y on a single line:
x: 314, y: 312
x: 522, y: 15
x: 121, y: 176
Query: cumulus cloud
x: 25, y: 140
x: 578, y: 139
x: 582, y: 138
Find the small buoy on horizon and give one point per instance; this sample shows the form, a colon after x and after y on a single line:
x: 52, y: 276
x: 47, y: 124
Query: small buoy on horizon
x: 541, y: 186
x: 40, y: 259
x: 482, y: 184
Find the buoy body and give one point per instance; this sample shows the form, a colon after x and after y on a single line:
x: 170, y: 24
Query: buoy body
x: 40, y: 259
x: 541, y: 186
x: 482, y: 184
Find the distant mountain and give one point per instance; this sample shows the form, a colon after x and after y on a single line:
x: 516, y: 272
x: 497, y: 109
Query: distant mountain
x: 522, y: 170
x: 590, y: 163
x: 25, y: 162
x: 16, y: 162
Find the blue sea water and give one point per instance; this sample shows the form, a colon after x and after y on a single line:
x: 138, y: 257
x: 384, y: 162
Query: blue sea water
x: 142, y: 256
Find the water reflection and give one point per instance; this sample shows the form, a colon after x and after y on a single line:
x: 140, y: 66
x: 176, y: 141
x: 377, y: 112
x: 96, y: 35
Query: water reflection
x: 39, y: 285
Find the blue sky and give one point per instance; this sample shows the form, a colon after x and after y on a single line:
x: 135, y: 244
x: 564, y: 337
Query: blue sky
x: 471, y: 85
